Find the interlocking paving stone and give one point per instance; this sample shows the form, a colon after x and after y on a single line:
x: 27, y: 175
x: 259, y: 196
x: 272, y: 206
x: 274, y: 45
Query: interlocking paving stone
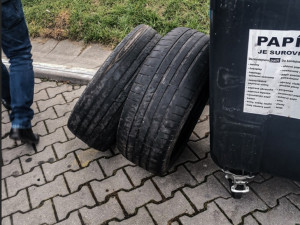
x: 194, y: 137
x: 9, y: 154
x: 295, y: 199
x: 53, y: 124
x: 115, y: 151
x: 5, y: 116
x: 14, y: 184
x: 70, y: 96
x: 201, y: 147
x: 137, y: 174
x: 6, y: 221
x: 3, y: 109
x: 258, y: 179
x: 58, y: 167
x: 69, y: 134
x: 14, y: 168
x: 186, y: 156
x: 29, y: 162
x: 86, y: 156
x: 41, y: 193
x: 53, y: 91
x: 41, y: 95
x: 102, y: 213
x: 34, y: 108
x: 57, y: 136
x: 77, y: 86
x: 142, y: 218
x: 3, y: 190
x: 114, y: 163
x: 205, y: 113
x: 285, y: 213
x: 82, y: 176
x: 249, y: 220
x: 48, y: 114
x: 275, y: 188
x: 202, y: 168
x: 205, y: 192
x: 62, y: 149
x: 37, y: 81
x: 174, y: 181
x: 44, y: 104
x: 212, y: 215
x: 235, y: 209
x: 17, y: 203
x: 44, y: 85
x: 41, y: 215
x: 138, y: 197
x: 221, y: 177
x: 64, y: 205
x: 63, y: 109
x: 5, y: 128
x: 8, y: 143
x: 202, y: 129
x: 110, y: 185
x: 164, y: 212
x: 59, y: 143
x: 72, y: 220
x: 40, y: 128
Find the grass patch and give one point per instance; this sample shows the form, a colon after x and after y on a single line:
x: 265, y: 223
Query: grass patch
x: 108, y: 21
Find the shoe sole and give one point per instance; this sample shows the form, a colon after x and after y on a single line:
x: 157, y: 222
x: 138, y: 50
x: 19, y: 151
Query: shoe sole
x: 25, y: 141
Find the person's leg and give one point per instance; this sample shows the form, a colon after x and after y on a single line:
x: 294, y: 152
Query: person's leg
x: 17, y: 47
x: 5, y: 87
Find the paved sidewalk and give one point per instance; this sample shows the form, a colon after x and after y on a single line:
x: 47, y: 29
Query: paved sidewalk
x: 66, y: 60
x: 63, y: 181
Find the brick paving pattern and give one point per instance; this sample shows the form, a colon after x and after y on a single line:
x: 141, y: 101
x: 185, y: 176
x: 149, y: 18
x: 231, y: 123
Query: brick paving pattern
x: 63, y: 181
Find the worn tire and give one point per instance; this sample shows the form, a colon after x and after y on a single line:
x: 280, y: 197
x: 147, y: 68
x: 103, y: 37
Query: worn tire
x: 165, y: 101
x: 95, y: 117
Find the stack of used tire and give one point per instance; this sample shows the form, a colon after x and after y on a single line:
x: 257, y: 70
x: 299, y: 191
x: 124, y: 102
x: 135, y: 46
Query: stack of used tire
x: 147, y: 97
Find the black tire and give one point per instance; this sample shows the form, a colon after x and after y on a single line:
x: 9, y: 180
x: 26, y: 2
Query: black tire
x: 95, y: 117
x: 165, y: 101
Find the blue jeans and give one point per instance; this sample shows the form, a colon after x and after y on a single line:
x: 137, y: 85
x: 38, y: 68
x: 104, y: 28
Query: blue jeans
x: 18, y: 83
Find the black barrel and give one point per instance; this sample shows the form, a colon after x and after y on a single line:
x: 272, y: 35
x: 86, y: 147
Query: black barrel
x: 255, y: 86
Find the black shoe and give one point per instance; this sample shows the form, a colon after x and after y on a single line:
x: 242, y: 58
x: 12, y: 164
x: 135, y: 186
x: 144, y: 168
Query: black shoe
x: 24, y: 135
x: 6, y: 104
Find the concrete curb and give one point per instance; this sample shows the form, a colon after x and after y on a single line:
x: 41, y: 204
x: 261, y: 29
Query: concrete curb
x: 61, y: 73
